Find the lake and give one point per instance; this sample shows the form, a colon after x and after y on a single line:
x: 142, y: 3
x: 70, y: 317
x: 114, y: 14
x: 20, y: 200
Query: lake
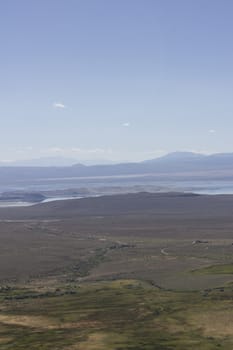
x: 145, y: 184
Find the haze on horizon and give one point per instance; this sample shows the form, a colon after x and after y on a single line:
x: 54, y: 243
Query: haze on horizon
x: 115, y: 80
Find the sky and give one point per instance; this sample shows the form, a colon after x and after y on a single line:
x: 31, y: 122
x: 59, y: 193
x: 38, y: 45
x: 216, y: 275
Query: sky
x: 115, y: 79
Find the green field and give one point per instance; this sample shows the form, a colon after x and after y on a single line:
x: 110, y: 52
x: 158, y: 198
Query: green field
x: 225, y: 269
x: 116, y: 315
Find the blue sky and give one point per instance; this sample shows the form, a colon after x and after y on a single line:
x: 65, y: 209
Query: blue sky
x: 115, y: 79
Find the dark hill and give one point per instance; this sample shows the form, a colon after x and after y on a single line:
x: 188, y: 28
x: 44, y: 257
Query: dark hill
x: 163, y: 204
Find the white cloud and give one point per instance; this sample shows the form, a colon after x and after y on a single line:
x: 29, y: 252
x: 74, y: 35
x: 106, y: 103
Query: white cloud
x: 212, y: 131
x: 75, y: 151
x: 59, y: 105
x: 53, y: 150
x: 6, y: 160
x: 89, y: 151
x: 126, y: 124
x: 96, y: 150
x: 157, y: 152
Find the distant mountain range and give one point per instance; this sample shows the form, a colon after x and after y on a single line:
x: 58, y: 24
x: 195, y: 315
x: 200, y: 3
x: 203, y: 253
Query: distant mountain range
x: 181, y: 164
x: 176, y: 162
x: 52, y: 161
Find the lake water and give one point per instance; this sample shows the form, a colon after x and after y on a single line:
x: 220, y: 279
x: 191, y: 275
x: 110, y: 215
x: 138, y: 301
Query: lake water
x: 197, y: 186
x: 150, y: 185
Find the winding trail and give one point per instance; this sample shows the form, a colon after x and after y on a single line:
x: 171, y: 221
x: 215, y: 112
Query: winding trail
x: 163, y: 251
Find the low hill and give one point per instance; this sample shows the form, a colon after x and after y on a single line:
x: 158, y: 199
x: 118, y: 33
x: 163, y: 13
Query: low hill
x: 177, y: 204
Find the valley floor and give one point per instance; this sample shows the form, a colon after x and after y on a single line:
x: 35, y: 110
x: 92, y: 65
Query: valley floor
x: 160, y: 278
